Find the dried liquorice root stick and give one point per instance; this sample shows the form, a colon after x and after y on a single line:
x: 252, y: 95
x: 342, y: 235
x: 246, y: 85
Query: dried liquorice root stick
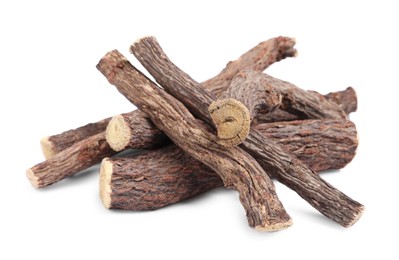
x: 258, y: 58
x: 134, y: 130
x: 166, y: 176
x: 320, y: 144
x: 51, y: 145
x: 234, y: 110
x: 345, y: 99
x: 237, y: 169
x: 302, y: 103
x: 75, y: 158
x: 272, y: 157
x: 154, y: 179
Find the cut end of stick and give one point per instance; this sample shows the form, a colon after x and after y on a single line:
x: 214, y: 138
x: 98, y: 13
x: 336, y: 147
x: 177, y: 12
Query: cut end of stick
x: 274, y: 227
x: 232, y: 120
x: 105, y: 182
x: 356, y: 217
x: 47, y: 147
x: 33, y: 179
x: 118, y: 133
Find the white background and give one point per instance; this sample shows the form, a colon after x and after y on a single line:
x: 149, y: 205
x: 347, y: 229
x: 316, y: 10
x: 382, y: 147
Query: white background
x: 49, y: 83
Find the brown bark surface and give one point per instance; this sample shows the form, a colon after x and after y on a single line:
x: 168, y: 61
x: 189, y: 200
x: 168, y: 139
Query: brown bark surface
x: 168, y: 175
x: 154, y: 179
x: 258, y: 58
x: 346, y: 99
x: 320, y: 144
x: 302, y: 103
x: 272, y: 157
x: 234, y: 110
x: 75, y: 158
x: 236, y: 168
x: 51, y: 145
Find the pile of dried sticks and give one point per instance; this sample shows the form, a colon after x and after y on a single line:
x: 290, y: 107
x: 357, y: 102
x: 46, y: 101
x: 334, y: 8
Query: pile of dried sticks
x: 239, y: 129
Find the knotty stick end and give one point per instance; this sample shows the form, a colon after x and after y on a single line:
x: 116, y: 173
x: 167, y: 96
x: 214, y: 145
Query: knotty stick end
x: 33, y: 179
x: 275, y: 226
x: 232, y: 120
x: 47, y: 147
x: 118, y: 133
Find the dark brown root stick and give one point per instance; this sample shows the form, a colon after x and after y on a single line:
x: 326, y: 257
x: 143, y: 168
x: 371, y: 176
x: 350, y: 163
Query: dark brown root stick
x: 234, y: 110
x: 134, y: 130
x: 75, y: 158
x: 274, y: 159
x: 51, y: 145
x: 234, y: 166
x: 168, y: 175
x: 154, y: 179
x: 258, y: 58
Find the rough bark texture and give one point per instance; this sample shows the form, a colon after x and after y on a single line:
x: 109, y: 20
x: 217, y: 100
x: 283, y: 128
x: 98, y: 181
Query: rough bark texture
x: 258, y: 58
x: 154, y: 179
x: 320, y: 144
x: 51, y: 145
x: 302, y: 103
x: 168, y: 175
x: 75, y: 158
x: 237, y: 169
x: 272, y: 157
x: 346, y: 99
x: 232, y: 119
x: 134, y: 130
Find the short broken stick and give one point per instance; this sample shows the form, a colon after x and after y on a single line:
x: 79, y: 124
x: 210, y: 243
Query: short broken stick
x: 167, y: 175
x: 237, y: 169
x: 51, y: 145
x: 73, y: 159
x: 234, y: 110
x: 328, y: 200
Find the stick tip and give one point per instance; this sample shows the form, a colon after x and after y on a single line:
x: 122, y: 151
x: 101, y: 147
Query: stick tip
x: 275, y: 227
x: 105, y: 182
x: 33, y: 179
x: 118, y: 133
x: 47, y: 147
x: 356, y: 216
